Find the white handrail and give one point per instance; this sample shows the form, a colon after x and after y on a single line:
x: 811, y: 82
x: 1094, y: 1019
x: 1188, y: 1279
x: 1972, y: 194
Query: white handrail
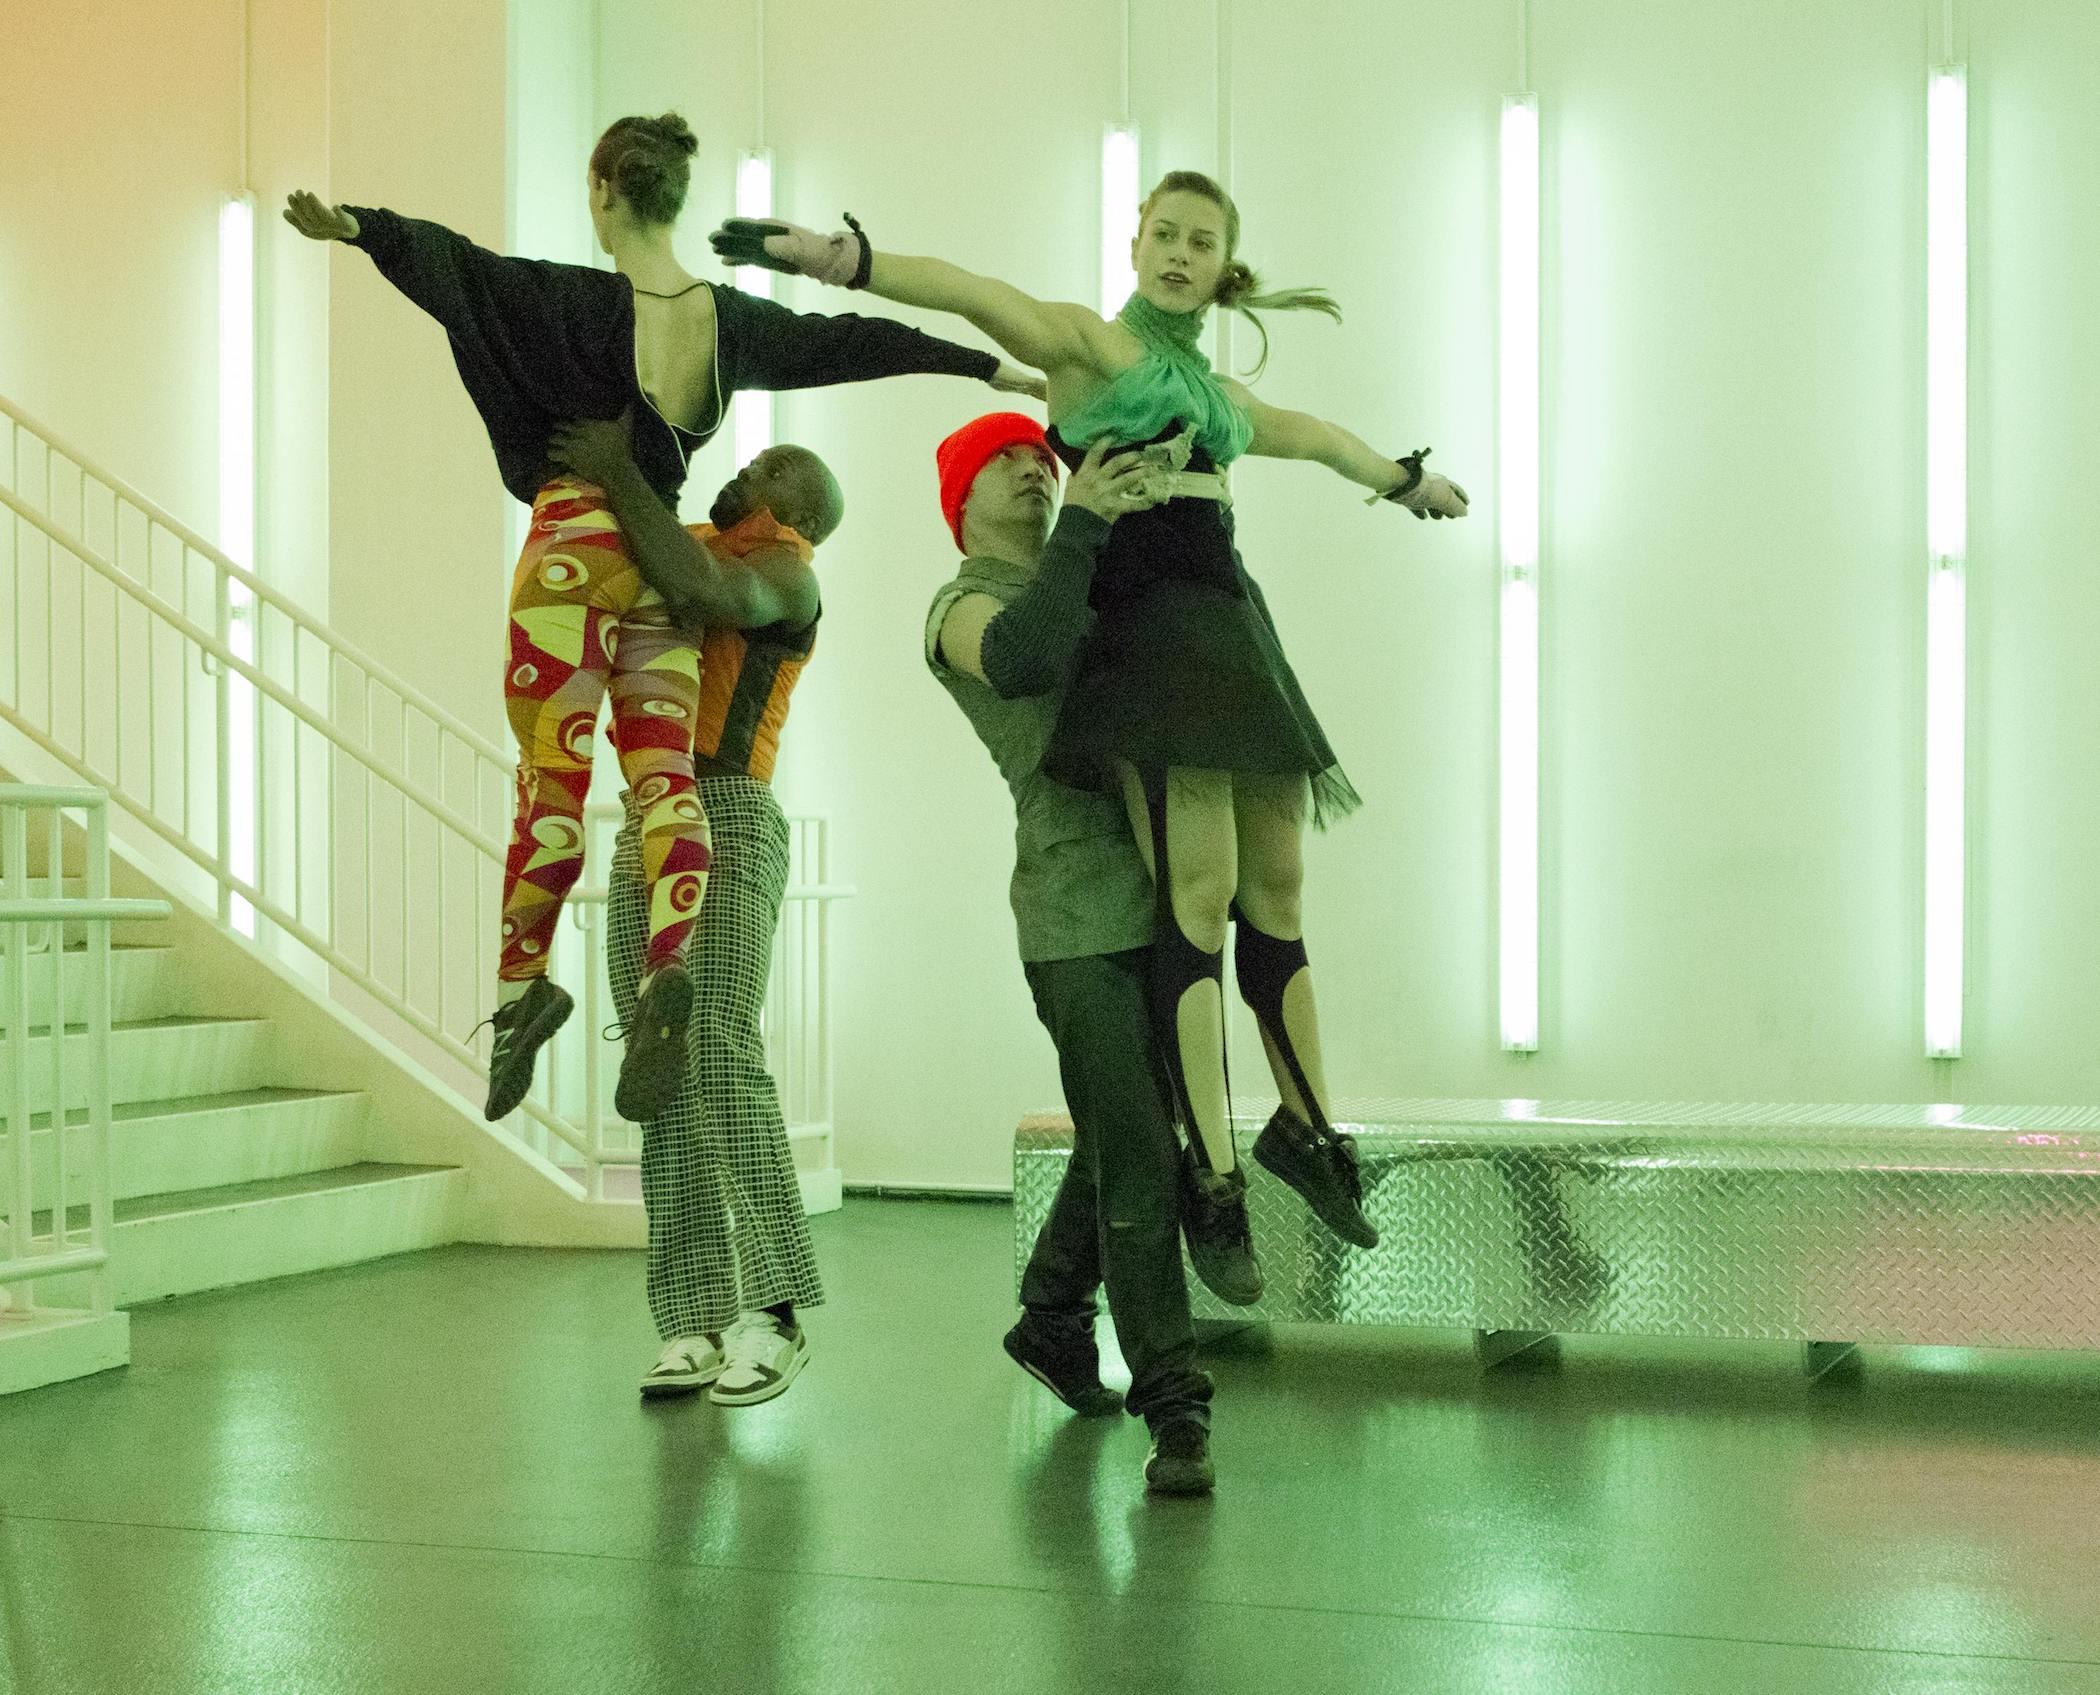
x: 62, y: 1248
x: 224, y: 653
x: 276, y: 599
x: 392, y: 843
x: 409, y: 964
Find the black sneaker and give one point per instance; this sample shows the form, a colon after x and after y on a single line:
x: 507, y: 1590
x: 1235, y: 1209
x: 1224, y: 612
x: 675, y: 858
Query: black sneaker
x: 1179, y: 1463
x: 655, y: 1062
x: 522, y: 1029
x: 1064, y: 1360
x: 1321, y: 1166
x: 1214, y: 1219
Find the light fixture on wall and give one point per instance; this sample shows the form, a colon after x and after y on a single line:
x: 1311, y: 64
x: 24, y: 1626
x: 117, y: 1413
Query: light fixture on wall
x: 752, y: 409
x: 1947, y: 545
x: 1517, y: 527
x: 237, y: 506
x: 1121, y: 189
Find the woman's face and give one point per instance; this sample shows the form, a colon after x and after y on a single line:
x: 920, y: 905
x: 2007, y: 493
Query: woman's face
x: 1180, y: 252
x: 603, y: 208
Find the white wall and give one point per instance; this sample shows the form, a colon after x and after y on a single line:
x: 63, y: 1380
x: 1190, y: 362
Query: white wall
x: 1734, y: 423
x: 418, y: 123
x: 1734, y: 318
x: 109, y: 209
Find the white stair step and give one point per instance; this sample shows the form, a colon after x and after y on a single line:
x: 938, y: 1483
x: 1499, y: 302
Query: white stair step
x: 51, y: 1347
x: 207, y: 1141
x: 142, y: 984
x: 180, y: 1244
x: 154, y: 1059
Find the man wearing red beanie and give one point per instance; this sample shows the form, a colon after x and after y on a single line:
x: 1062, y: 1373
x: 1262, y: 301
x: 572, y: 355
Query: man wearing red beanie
x: 1000, y: 637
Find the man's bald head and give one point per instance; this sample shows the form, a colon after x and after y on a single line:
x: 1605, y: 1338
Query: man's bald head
x: 794, y: 485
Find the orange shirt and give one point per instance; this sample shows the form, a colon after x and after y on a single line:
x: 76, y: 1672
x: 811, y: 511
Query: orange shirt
x: 746, y: 676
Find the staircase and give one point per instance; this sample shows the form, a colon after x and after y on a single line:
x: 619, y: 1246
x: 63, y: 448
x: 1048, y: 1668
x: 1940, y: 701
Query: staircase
x: 232, y: 1159
x: 294, y: 1062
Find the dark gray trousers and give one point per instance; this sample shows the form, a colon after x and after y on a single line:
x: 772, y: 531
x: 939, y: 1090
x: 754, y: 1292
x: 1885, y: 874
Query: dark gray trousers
x: 1116, y: 1219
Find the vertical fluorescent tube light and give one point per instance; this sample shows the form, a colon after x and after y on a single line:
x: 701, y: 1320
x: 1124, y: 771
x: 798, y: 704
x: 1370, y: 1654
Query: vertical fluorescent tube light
x: 1120, y: 193
x: 237, y: 523
x: 753, y: 408
x: 1947, y: 542
x: 1518, y: 533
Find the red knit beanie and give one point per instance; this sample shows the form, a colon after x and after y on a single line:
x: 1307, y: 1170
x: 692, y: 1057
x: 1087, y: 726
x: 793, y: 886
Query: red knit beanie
x: 976, y: 445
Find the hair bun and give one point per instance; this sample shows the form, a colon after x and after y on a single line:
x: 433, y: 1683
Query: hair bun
x: 678, y: 133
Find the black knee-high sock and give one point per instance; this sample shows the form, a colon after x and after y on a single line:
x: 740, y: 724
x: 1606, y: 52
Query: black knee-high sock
x: 1265, y: 965
x: 1178, y: 965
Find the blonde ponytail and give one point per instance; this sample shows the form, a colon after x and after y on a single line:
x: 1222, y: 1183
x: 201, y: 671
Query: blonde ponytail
x: 1239, y: 289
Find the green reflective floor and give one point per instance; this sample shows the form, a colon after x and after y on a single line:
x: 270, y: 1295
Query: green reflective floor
x: 433, y: 1473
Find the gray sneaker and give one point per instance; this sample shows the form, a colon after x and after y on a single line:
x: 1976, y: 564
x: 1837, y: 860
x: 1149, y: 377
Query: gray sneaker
x: 762, y: 1357
x: 687, y: 1364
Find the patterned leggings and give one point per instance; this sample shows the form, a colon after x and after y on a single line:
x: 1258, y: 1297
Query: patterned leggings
x: 727, y: 1234
x: 583, y: 622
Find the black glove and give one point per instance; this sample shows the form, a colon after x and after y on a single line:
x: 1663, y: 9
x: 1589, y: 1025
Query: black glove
x: 843, y: 259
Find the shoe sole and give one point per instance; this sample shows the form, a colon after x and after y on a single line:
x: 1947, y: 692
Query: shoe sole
x: 1231, y: 1297
x: 752, y: 1397
x: 661, y: 1389
x: 655, y: 1063
x: 1199, y: 1483
x: 1355, y: 1230
x: 525, y: 1058
x: 1104, y: 1410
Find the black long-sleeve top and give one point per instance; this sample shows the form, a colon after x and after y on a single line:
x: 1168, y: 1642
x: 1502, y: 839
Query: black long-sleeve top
x: 538, y: 343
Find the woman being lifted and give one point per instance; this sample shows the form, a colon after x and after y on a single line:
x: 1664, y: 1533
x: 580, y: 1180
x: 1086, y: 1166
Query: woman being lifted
x: 1181, y: 697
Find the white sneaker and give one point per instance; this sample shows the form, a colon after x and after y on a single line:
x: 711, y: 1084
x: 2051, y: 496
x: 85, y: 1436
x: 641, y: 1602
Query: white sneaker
x: 763, y: 1358
x: 686, y: 1364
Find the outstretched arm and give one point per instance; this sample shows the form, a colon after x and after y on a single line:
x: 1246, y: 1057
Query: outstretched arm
x: 1039, y: 333
x: 1048, y: 335
x: 1283, y: 434
x: 780, y: 349
x: 432, y: 265
x: 772, y: 586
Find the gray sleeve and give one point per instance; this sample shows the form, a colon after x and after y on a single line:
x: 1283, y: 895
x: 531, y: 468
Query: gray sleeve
x: 1028, y: 648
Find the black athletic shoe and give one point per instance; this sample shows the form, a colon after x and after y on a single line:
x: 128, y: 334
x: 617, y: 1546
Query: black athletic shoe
x: 1221, y: 1243
x: 1179, y: 1463
x: 522, y: 1029
x: 1064, y: 1360
x: 1321, y: 1166
x: 655, y: 1062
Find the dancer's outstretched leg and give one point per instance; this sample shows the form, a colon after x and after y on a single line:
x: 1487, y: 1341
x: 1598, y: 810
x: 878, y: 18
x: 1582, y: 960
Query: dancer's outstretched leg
x: 563, y: 629
x: 1183, y: 824
x: 655, y: 696
x: 1269, y: 960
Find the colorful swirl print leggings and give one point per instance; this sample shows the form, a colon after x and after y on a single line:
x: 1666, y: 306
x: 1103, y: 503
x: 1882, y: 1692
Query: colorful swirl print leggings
x: 582, y: 623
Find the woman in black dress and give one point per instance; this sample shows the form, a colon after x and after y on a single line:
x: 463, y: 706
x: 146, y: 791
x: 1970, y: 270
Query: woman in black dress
x: 1182, y: 698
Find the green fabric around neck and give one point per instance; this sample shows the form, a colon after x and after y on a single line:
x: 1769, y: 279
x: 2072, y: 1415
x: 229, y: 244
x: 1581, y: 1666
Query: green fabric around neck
x: 1173, y: 381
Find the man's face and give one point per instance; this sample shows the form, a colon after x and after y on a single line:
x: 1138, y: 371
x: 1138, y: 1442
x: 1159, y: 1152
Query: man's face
x: 742, y: 495
x: 1015, y: 490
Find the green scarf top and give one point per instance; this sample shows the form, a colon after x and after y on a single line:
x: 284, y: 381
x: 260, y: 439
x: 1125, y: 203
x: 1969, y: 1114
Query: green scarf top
x: 1173, y: 381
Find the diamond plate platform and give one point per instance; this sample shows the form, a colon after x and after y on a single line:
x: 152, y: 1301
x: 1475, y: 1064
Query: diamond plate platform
x: 1826, y: 1225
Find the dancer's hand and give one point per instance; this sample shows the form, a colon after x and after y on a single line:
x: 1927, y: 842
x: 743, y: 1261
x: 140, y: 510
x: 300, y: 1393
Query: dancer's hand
x: 841, y: 260
x: 1425, y: 493
x: 1018, y: 379
x: 315, y: 219
x: 596, y: 449
x: 1112, y: 488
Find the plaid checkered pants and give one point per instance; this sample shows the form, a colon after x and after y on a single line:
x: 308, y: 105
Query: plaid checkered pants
x: 727, y: 1233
